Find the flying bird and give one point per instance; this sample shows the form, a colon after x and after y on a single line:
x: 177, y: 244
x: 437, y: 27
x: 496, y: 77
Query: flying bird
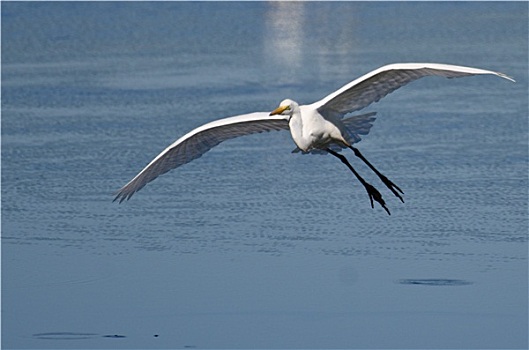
x: 320, y: 127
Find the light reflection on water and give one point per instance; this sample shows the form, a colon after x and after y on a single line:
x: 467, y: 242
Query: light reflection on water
x: 288, y: 240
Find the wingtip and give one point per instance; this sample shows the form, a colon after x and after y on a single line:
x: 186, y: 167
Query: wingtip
x: 505, y: 76
x: 120, y: 196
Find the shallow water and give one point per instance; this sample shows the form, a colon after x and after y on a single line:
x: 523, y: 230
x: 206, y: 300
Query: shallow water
x: 251, y: 246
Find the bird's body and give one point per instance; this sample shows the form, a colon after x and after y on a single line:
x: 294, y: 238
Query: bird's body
x: 320, y: 127
x: 310, y: 130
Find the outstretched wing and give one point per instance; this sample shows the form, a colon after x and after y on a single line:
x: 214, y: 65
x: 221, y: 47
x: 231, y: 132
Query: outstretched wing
x: 373, y: 86
x: 197, y: 142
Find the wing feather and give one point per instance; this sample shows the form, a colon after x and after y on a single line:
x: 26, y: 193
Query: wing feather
x: 375, y: 85
x: 197, y: 142
x: 358, y: 125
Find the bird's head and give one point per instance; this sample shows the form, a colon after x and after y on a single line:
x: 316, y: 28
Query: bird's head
x: 286, y: 107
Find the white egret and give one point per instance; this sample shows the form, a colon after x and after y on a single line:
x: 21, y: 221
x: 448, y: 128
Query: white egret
x: 319, y: 127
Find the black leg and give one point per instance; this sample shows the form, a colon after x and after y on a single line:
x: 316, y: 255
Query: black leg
x: 371, y: 191
x: 394, y: 188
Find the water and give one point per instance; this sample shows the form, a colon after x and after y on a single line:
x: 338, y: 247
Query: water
x: 251, y: 246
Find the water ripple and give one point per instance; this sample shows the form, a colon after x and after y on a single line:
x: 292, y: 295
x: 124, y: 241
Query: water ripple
x: 435, y: 282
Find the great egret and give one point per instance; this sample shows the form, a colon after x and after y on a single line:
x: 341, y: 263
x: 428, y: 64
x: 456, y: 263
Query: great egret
x: 316, y: 128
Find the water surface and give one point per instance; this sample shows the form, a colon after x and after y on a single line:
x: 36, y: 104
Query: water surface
x: 251, y: 246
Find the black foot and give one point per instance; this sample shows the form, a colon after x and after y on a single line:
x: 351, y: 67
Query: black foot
x: 394, y: 188
x: 374, y: 194
x: 389, y: 184
x: 371, y: 191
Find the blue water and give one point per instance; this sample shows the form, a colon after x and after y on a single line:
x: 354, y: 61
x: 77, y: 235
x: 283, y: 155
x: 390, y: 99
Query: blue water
x: 251, y: 246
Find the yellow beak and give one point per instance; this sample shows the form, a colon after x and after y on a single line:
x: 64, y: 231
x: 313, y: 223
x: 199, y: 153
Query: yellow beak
x: 278, y: 110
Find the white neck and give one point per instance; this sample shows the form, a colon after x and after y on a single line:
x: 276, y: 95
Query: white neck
x: 296, y: 129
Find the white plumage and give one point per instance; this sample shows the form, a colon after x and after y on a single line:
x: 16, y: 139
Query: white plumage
x: 318, y: 127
